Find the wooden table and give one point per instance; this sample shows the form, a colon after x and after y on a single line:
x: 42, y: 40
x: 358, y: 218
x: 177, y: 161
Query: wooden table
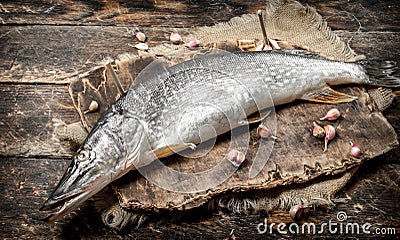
x: 46, y: 44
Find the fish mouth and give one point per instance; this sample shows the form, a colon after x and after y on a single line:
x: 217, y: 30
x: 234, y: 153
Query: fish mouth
x: 69, y: 202
x: 60, y: 196
x: 72, y: 190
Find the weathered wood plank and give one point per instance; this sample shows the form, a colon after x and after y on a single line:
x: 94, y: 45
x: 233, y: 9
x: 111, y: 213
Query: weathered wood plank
x: 371, y: 197
x: 24, y: 186
x: 365, y: 15
x: 125, y: 13
x: 30, y: 55
x: 54, y: 54
x: 374, y: 45
x: 26, y: 119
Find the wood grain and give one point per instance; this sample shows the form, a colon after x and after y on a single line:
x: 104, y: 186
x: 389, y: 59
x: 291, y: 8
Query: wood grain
x: 124, y: 13
x: 371, y: 197
x: 363, y: 16
x: 351, y: 16
x: 26, y: 119
x: 43, y: 44
x: 30, y: 56
x: 55, y: 54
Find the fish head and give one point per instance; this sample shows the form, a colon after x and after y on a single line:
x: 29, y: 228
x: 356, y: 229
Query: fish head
x: 109, y: 151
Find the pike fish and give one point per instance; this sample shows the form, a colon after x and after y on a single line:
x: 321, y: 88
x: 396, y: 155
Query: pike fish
x: 164, y: 112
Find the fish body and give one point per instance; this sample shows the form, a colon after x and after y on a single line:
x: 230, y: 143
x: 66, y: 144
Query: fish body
x: 206, y: 90
x: 167, y: 111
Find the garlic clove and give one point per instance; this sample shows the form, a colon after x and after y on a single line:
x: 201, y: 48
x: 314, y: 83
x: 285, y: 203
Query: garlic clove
x: 274, y: 44
x: 265, y: 132
x: 297, y: 211
x: 192, y: 43
x: 175, y: 38
x: 331, y: 115
x: 355, y: 150
x: 330, y: 133
x: 263, y: 47
x: 93, y: 106
x: 259, y: 47
x: 141, y: 46
x: 235, y: 157
x: 318, y: 131
x: 140, y: 36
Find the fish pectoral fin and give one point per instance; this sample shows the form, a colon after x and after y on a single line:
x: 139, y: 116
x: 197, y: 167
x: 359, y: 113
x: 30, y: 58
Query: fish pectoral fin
x: 256, y: 117
x: 328, y: 95
x: 171, y: 149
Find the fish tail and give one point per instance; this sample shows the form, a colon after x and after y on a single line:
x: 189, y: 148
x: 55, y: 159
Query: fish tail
x: 382, y: 73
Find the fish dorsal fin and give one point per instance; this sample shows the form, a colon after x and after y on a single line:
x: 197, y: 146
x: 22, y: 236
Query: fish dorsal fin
x: 328, y: 95
x: 160, y: 68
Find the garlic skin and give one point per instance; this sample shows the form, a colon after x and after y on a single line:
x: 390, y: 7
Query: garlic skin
x: 192, y: 43
x: 355, y: 151
x: 264, y: 132
x: 175, y: 38
x: 330, y: 133
x: 331, y: 115
x: 235, y: 157
x: 318, y: 131
x: 140, y: 36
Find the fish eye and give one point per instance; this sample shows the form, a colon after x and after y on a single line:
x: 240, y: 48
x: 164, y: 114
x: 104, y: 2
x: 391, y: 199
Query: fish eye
x: 83, y: 155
